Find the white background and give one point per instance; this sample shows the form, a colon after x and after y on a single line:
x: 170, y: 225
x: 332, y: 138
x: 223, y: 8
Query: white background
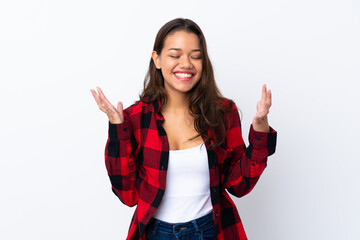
x: 53, y: 180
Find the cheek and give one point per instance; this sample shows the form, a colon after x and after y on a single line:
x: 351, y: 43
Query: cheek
x: 199, y: 68
x: 168, y: 67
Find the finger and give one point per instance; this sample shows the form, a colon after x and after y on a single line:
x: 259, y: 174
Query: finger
x: 102, y: 96
x: 96, y: 97
x: 120, y: 108
x: 103, y: 103
x: 258, y: 105
x: 263, y: 95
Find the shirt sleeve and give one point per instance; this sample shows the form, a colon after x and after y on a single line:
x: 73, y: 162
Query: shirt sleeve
x: 120, y: 162
x: 244, y: 165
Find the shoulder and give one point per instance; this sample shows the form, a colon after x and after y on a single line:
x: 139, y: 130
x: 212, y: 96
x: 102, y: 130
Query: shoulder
x: 138, y: 108
x: 231, y: 113
x: 228, y: 106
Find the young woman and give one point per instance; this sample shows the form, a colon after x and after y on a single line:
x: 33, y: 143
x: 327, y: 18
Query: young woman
x: 174, y: 152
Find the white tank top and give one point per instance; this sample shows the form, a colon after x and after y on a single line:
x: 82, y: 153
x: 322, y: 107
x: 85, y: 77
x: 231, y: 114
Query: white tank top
x: 187, y: 193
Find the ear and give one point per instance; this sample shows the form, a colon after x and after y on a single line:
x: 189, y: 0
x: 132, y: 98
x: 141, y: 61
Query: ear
x: 156, y: 59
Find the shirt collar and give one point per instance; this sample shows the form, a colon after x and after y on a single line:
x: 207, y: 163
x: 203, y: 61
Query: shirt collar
x: 157, y: 106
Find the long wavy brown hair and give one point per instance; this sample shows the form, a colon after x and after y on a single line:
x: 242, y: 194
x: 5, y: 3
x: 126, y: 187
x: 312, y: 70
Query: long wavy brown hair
x: 206, y: 102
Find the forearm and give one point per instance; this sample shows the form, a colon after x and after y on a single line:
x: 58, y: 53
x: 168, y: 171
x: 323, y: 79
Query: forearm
x: 247, y: 164
x: 120, y: 163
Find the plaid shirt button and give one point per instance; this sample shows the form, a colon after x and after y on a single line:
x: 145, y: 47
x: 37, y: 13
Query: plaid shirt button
x: 257, y: 138
x: 125, y: 129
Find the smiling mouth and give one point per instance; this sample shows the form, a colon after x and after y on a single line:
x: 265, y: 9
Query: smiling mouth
x: 183, y: 76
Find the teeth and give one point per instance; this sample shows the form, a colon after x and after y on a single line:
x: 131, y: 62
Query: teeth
x: 183, y: 75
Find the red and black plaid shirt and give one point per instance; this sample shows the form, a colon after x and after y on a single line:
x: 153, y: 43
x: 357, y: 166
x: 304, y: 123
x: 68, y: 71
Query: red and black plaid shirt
x: 136, y: 157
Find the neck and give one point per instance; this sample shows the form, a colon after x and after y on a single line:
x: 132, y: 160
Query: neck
x: 176, y: 103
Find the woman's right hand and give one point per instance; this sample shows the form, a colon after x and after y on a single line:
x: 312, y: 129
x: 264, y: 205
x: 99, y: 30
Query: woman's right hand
x: 115, y: 115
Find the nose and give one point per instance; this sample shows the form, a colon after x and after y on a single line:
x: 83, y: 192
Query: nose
x: 185, y: 62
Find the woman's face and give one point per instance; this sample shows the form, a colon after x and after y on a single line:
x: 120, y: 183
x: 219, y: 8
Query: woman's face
x: 180, y: 62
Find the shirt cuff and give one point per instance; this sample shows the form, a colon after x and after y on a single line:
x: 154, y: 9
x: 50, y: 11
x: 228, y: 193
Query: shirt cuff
x: 120, y: 131
x: 262, y: 139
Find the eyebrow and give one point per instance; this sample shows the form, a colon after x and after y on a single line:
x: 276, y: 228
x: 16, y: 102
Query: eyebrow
x: 179, y: 49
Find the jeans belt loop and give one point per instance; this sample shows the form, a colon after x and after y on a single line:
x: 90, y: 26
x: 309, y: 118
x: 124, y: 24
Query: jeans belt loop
x: 195, y: 225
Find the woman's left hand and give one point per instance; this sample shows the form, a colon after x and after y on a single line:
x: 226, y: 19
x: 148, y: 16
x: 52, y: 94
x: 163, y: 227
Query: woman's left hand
x: 260, y: 122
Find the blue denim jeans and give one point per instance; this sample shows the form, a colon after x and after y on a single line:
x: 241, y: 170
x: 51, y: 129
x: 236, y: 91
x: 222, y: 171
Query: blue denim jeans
x: 200, y: 228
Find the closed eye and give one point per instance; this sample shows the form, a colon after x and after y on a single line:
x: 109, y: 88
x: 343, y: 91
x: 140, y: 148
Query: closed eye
x: 172, y: 56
